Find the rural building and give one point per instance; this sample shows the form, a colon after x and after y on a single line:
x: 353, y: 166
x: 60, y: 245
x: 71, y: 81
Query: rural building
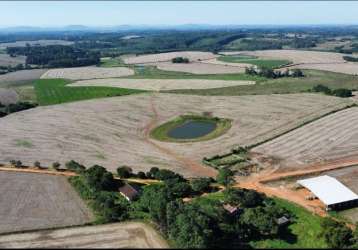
x: 232, y: 210
x: 129, y: 192
x: 283, y: 221
x: 331, y: 192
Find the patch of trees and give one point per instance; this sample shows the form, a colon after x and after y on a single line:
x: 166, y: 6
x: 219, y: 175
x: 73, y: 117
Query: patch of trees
x: 9, y: 68
x: 54, y: 56
x: 195, y: 225
x: 259, y: 44
x: 270, y: 73
x: 180, y: 60
x: 99, y: 188
x: 15, y: 107
x: 341, y: 92
x: 338, y: 235
x: 350, y: 58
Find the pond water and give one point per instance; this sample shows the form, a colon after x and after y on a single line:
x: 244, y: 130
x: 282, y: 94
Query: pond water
x: 192, y: 129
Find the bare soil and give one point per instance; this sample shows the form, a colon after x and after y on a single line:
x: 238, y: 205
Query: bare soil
x: 114, y: 131
x: 160, y: 84
x: 164, y: 57
x: 6, y: 60
x: 332, y: 137
x: 199, y: 68
x: 20, y: 77
x: 90, y: 72
x: 117, y: 235
x: 8, y: 96
x: 33, y: 201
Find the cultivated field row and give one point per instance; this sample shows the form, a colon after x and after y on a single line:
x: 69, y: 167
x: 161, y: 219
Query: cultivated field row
x: 328, y: 61
x: 164, y: 57
x: 161, y: 84
x: 334, y: 136
x: 90, y: 72
x: 37, y: 201
x: 117, y: 235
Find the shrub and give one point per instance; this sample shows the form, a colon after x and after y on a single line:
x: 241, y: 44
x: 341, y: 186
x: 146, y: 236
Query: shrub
x: 322, y: 88
x: 180, y: 60
x: 75, y: 166
x: 37, y: 164
x: 56, y: 165
x: 342, y: 92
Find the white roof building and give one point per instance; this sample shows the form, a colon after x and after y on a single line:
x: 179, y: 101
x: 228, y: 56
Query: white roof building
x: 329, y: 190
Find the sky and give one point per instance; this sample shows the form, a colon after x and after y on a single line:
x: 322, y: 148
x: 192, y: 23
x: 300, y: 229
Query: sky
x: 103, y: 13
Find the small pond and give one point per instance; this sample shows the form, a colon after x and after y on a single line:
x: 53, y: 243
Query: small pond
x: 192, y: 129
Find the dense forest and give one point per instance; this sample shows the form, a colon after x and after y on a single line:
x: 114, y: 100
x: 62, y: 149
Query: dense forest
x: 53, y: 56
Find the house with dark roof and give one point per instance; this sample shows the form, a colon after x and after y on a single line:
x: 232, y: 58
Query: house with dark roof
x: 128, y: 191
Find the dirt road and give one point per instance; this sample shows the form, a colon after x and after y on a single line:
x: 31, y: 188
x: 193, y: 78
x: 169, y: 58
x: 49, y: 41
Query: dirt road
x: 257, y: 182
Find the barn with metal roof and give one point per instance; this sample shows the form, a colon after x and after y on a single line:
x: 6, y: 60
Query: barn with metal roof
x: 331, y: 192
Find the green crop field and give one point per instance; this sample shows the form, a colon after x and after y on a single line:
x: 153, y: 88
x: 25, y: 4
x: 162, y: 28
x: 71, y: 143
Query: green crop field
x: 55, y: 91
x: 254, y: 61
x: 285, y: 85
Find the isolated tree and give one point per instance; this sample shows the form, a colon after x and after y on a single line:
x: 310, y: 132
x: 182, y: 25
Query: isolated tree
x: 37, y: 164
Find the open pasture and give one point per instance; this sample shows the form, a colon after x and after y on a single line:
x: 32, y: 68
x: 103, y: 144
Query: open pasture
x: 164, y: 57
x: 332, y: 137
x: 161, y: 84
x: 117, y: 235
x: 107, y: 131
x: 91, y: 72
x: 37, y: 201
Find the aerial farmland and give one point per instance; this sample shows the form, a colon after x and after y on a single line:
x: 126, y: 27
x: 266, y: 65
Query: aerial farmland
x: 185, y: 138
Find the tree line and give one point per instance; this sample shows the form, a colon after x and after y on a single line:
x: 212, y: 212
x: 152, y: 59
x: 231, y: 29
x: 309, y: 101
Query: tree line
x: 15, y: 107
x: 54, y: 56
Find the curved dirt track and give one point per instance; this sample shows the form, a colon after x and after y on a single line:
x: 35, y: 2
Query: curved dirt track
x: 114, y: 131
x: 116, y: 235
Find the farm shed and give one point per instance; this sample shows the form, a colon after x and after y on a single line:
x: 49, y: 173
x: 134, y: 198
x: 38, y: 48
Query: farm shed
x: 128, y: 191
x: 331, y: 192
